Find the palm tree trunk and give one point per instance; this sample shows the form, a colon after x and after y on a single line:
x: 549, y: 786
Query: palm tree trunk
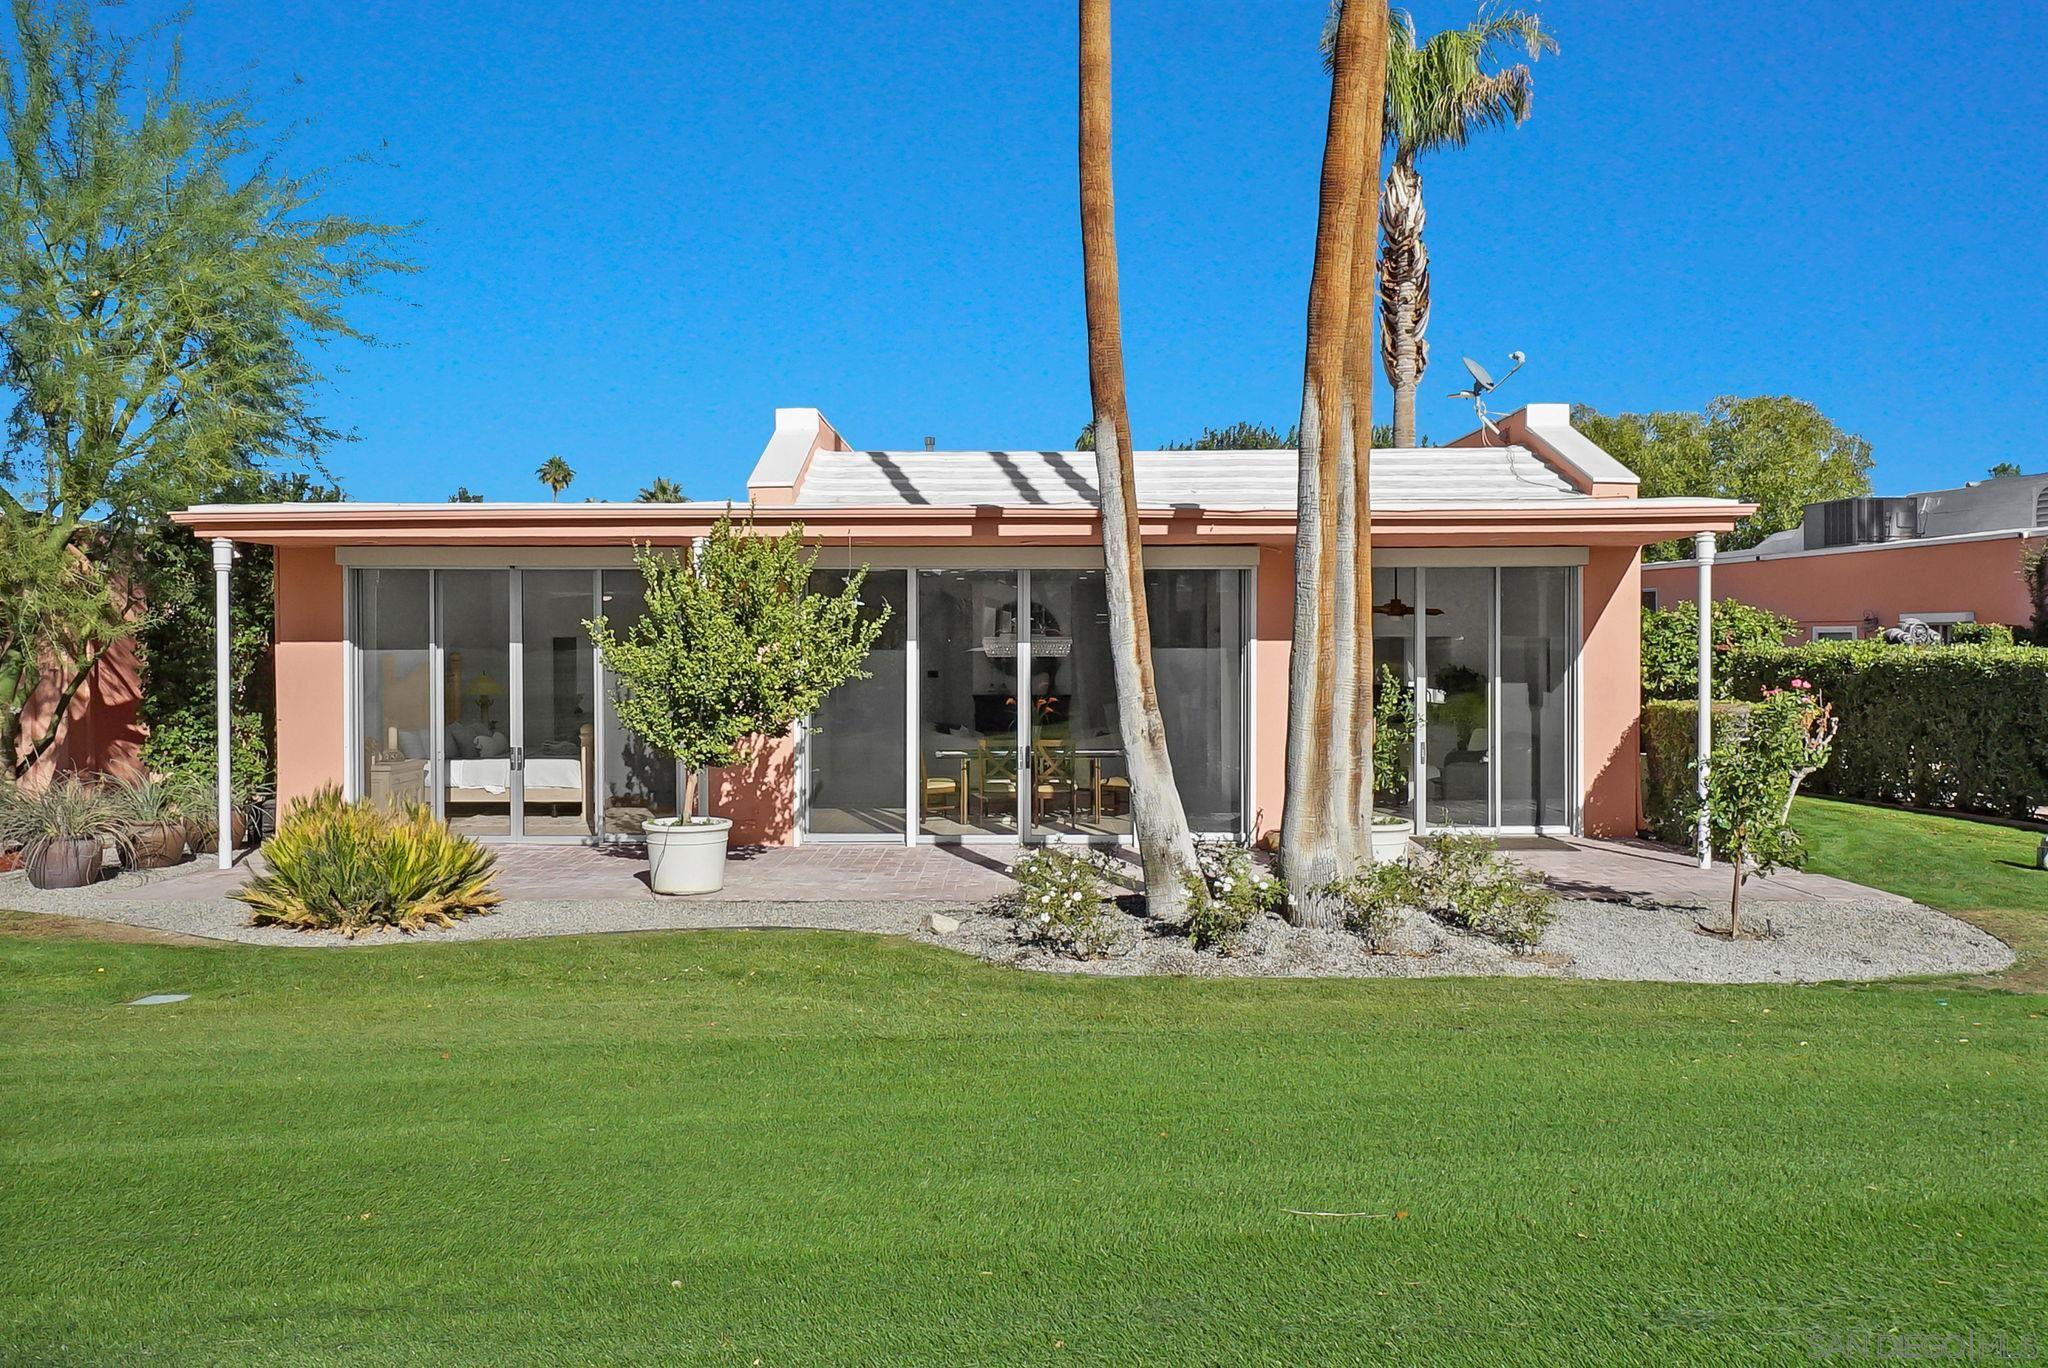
x: 1319, y: 832
x: 1159, y: 822
x: 1404, y: 293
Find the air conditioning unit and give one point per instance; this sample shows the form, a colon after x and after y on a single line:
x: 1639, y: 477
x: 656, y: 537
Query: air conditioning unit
x: 1861, y: 521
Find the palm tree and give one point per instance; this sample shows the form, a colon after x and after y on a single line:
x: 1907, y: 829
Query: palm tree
x: 1165, y: 846
x: 554, y: 472
x: 1329, y: 716
x: 663, y: 490
x: 1439, y: 94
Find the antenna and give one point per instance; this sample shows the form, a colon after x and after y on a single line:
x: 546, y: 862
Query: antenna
x: 1484, y: 384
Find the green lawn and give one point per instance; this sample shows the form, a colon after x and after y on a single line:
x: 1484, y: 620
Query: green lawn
x: 1980, y: 871
x: 799, y: 1148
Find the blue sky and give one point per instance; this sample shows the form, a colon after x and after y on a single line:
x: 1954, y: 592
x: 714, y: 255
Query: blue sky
x: 643, y: 227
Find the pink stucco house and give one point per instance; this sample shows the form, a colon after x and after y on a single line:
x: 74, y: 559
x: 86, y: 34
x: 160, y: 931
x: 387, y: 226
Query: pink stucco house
x: 1857, y: 566
x: 435, y: 651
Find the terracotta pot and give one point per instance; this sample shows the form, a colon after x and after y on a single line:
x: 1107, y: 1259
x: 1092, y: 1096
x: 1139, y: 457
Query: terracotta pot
x: 10, y: 860
x: 157, y: 846
x: 203, y: 842
x: 66, y: 864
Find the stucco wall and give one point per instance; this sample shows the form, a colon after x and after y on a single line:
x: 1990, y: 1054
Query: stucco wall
x: 310, y: 714
x: 1837, y: 589
x: 1611, y: 688
x: 102, y: 732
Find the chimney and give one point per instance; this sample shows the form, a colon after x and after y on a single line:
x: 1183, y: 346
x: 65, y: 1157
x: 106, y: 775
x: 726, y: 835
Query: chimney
x: 928, y: 443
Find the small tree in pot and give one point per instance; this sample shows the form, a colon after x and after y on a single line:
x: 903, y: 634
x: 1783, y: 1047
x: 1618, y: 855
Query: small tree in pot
x: 733, y: 648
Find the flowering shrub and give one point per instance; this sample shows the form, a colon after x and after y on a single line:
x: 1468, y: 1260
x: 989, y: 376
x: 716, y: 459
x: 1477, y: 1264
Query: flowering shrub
x: 1234, y: 888
x: 1059, y: 901
x: 1458, y: 880
x: 1752, y: 778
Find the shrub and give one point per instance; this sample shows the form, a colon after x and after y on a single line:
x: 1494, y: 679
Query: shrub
x: 1670, y: 774
x: 1232, y: 891
x: 1671, y: 644
x: 1393, y: 737
x: 1932, y: 726
x: 1371, y: 901
x: 70, y: 807
x: 1979, y: 634
x: 348, y: 867
x: 1060, y: 901
x: 1462, y: 881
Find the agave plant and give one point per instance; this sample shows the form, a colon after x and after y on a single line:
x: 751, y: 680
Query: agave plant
x: 342, y: 866
x: 156, y: 812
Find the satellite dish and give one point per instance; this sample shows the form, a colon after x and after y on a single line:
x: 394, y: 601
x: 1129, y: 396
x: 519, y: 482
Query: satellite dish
x: 1481, y: 381
x: 1484, y: 384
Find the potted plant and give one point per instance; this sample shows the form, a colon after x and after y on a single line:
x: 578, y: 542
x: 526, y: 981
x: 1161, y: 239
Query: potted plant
x: 1393, y: 748
x: 153, y: 811
x: 62, y: 830
x: 733, y: 647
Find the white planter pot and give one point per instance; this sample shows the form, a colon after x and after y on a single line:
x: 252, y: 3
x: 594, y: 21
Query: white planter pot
x: 687, y: 854
x: 1390, y: 842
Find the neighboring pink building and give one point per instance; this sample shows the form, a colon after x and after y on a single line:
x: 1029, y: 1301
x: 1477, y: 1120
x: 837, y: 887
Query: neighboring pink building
x: 435, y: 651
x: 102, y: 731
x: 1858, y: 566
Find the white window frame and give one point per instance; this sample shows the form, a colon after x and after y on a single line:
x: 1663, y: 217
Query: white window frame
x: 1840, y: 632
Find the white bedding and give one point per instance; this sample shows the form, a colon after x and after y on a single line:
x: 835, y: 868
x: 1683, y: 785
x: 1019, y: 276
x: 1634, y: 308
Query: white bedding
x: 495, y: 776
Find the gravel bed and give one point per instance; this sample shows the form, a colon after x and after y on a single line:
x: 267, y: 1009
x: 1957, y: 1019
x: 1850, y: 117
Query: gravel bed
x: 1804, y: 942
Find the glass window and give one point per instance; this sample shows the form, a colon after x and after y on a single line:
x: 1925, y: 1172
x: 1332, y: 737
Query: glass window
x: 559, y: 676
x: 476, y: 670
x: 1197, y: 619
x: 1458, y: 633
x: 639, y: 782
x: 395, y: 686
x: 854, y: 744
x: 967, y: 753
x: 1080, y: 785
x: 1534, y: 702
x: 1394, y: 599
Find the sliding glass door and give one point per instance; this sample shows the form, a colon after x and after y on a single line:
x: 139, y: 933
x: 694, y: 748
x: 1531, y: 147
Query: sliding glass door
x: 480, y: 694
x: 1488, y: 653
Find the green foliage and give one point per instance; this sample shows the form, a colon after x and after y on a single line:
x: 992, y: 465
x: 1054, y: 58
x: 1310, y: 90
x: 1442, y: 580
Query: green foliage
x: 2003, y: 470
x: 56, y: 608
x: 1461, y: 880
x: 1930, y: 726
x: 1979, y: 634
x: 1371, y: 902
x: 463, y: 494
x: 1059, y: 901
x: 734, y: 646
x: 1230, y: 891
x: 1753, y: 776
x: 1235, y: 437
x: 1393, y: 736
x: 1671, y: 644
x: 69, y: 807
x: 344, y: 866
x: 1671, y: 771
x: 2034, y: 574
x: 163, y: 290
x: 554, y: 472
x: 153, y: 800
x: 662, y: 490
x: 1776, y: 452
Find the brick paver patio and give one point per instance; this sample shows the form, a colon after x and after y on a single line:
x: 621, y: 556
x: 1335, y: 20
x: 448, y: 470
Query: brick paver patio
x: 1601, y: 870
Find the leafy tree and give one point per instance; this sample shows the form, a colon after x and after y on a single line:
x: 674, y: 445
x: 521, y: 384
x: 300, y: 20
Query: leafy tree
x: 734, y: 646
x: 1777, y: 452
x: 1752, y: 778
x: 462, y: 494
x: 554, y: 472
x: 1671, y: 644
x: 1438, y: 94
x: 2004, y: 470
x: 662, y: 490
x: 55, y: 605
x: 1166, y: 846
x: 1240, y: 437
x: 163, y: 289
x: 2034, y: 574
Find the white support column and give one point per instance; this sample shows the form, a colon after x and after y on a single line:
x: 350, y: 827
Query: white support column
x: 1703, y: 552
x: 223, y: 564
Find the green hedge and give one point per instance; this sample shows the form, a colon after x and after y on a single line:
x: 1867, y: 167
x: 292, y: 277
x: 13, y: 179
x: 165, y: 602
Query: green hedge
x: 1932, y: 726
x: 1671, y: 739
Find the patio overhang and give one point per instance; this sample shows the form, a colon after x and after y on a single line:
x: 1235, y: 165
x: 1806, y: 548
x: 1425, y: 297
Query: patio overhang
x: 1565, y: 522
